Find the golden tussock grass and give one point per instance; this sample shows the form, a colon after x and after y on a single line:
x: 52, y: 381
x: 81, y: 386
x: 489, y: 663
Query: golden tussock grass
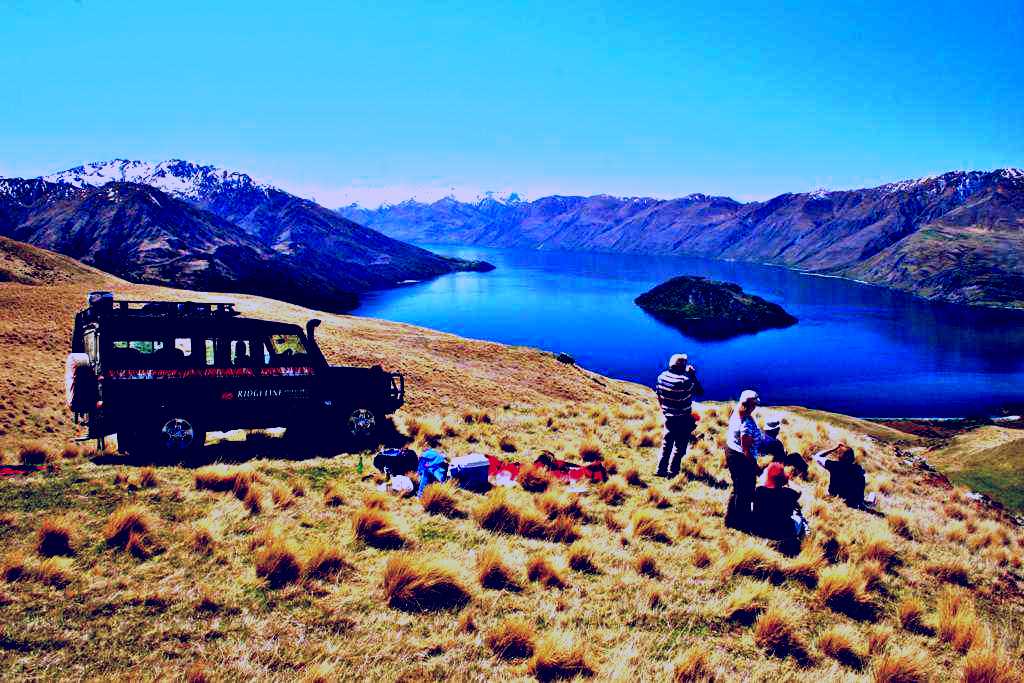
x: 513, y: 638
x: 693, y: 666
x: 129, y: 524
x: 325, y: 560
x: 421, y: 584
x: 748, y: 600
x: 950, y: 570
x: 990, y: 664
x: 197, y: 673
x: 646, y: 440
x: 627, y: 435
x: 612, y: 522
x: 688, y: 526
x: 555, y: 505
x: 583, y: 558
x: 541, y: 570
x: 701, y: 557
x: 646, y: 564
x: 805, y: 567
x: 253, y: 500
x: 55, y: 571
x: 750, y: 558
x: 56, y: 536
x: 534, y: 479
x: 910, y: 613
x: 589, y: 451
x: 333, y: 496
x: 439, y: 499
x: 494, y: 571
x: 498, y: 512
x: 508, y: 444
x: 842, y: 588
x: 612, y: 492
x: 14, y: 566
x: 377, y: 528
x: 278, y: 563
x: 322, y: 672
x: 901, y: 524
x: 649, y: 525
x: 902, y: 665
x: 298, y: 486
x: 633, y: 478
x: 878, y: 639
x: 282, y: 495
x: 147, y: 478
x: 872, y: 572
x: 222, y: 478
x: 34, y: 454
x: 843, y: 644
x: 201, y: 539
x: 561, y: 529
x: 376, y: 500
x: 658, y: 499
x: 560, y: 655
x: 878, y: 546
x: 776, y: 632
x: 956, y: 621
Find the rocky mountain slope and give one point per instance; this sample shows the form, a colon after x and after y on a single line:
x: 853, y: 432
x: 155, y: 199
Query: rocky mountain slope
x: 204, y: 228
x: 955, y: 237
x: 269, y: 566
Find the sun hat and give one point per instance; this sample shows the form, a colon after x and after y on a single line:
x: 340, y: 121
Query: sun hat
x: 678, y: 360
x: 775, y: 476
x: 749, y: 394
x: 773, y: 425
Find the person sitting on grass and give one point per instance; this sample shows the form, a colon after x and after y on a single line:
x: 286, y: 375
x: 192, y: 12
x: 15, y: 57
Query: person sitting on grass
x: 776, y: 510
x: 846, y: 477
x: 772, y: 446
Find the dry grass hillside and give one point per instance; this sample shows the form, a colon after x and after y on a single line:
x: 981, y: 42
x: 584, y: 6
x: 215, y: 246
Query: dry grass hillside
x: 269, y: 567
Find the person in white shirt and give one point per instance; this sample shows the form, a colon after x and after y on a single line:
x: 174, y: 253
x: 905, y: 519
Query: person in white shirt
x: 743, y: 440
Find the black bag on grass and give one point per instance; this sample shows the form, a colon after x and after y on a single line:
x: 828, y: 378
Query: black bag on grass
x: 396, y: 460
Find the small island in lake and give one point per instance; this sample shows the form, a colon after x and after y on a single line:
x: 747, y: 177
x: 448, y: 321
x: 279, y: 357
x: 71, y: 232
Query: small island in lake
x: 711, y: 309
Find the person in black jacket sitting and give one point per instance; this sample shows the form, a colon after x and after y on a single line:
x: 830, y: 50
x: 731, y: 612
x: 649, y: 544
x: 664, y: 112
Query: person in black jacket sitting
x: 846, y: 477
x: 771, y: 445
x: 776, y: 507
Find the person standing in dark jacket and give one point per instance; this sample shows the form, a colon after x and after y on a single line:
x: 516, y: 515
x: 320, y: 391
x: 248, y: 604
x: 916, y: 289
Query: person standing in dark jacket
x: 676, y: 388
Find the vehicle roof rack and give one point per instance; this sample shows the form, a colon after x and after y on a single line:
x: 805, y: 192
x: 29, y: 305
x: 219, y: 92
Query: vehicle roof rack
x: 162, y: 309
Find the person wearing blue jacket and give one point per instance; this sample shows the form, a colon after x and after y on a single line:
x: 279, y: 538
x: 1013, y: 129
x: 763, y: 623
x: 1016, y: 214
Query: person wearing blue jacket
x: 433, y: 468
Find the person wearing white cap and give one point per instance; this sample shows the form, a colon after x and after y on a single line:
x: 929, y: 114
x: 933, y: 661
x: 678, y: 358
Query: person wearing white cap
x: 742, y: 443
x: 772, y: 445
x: 676, y: 388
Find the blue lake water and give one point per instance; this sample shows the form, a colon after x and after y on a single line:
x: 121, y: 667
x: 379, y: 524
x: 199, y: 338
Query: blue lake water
x: 858, y: 349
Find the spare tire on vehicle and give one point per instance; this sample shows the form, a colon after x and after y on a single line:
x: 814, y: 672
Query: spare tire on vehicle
x: 80, y: 386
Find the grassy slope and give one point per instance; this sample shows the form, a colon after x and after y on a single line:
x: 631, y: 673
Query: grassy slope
x: 988, y: 459
x: 120, y: 616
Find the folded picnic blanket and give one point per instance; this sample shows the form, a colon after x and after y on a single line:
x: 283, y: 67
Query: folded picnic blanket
x: 18, y: 470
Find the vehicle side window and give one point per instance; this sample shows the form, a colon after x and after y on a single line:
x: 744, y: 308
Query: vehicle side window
x: 209, y: 356
x: 151, y: 353
x: 244, y: 354
x: 286, y: 349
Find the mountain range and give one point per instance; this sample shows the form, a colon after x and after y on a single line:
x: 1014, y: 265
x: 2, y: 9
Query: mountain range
x: 200, y: 227
x: 956, y: 237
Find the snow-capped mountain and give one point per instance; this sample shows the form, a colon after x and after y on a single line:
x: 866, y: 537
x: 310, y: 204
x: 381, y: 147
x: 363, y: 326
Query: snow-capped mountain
x: 189, y: 225
x: 178, y: 178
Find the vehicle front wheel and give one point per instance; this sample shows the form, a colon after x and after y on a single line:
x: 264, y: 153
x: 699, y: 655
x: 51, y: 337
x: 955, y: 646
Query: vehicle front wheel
x: 361, y: 425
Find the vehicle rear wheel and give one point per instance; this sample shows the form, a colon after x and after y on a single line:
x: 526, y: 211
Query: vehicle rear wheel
x: 178, y: 435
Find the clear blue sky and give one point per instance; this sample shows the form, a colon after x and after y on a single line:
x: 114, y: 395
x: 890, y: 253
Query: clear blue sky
x: 367, y: 101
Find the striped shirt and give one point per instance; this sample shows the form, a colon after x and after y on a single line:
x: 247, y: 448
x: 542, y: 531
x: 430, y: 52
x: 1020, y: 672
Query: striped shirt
x: 676, y: 392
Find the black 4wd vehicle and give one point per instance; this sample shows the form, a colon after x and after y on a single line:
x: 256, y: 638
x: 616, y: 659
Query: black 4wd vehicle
x: 161, y: 375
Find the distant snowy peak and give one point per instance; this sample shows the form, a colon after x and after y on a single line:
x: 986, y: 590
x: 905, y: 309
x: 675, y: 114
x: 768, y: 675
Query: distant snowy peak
x: 176, y: 177
x: 499, y: 197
